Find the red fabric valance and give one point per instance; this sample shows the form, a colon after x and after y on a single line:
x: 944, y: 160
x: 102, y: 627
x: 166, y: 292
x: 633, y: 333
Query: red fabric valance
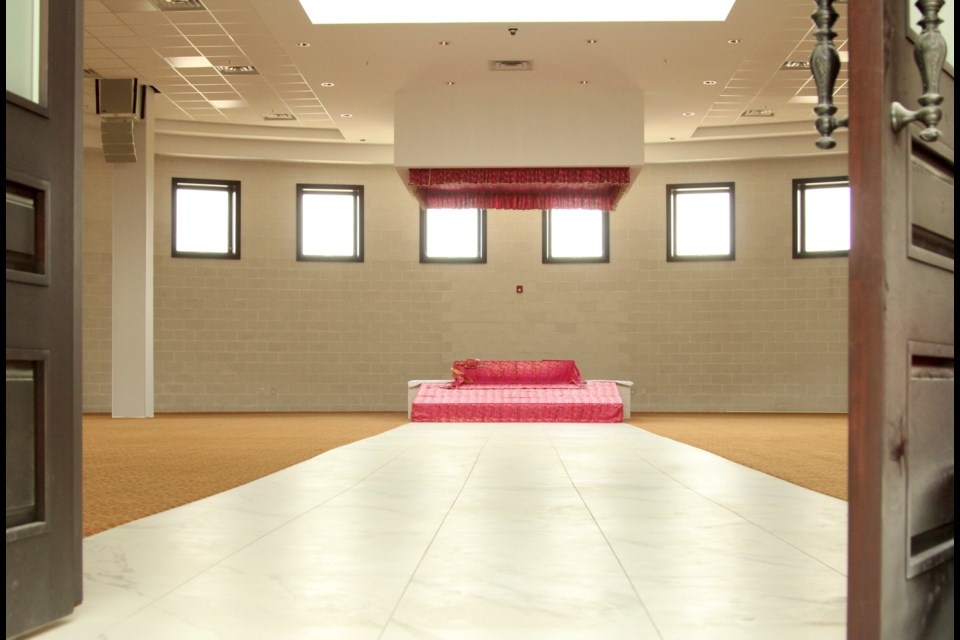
x: 520, y: 188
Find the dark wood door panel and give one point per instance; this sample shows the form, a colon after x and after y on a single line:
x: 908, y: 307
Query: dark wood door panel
x: 43, y: 156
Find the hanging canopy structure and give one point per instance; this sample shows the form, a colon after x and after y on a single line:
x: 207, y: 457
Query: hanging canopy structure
x: 520, y: 188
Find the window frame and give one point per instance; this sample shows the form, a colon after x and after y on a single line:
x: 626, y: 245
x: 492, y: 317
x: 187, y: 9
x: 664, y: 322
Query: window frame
x: 357, y: 191
x: 481, y: 257
x: 231, y: 187
x: 603, y: 258
x: 708, y: 187
x: 799, y: 209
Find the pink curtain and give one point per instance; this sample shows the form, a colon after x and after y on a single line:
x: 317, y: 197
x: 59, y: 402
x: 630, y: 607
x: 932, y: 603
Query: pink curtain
x: 520, y: 188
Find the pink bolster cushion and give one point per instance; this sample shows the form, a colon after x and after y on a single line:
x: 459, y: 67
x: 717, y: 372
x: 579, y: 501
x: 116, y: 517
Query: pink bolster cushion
x: 515, y: 372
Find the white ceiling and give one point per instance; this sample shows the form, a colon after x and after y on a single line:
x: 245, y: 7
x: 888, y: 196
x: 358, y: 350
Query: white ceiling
x: 366, y: 65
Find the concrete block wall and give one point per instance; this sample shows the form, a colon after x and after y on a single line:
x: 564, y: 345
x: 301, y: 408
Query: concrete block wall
x: 266, y: 333
x: 97, y: 265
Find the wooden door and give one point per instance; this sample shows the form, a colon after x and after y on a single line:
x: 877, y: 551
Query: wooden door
x: 901, y: 338
x: 42, y: 307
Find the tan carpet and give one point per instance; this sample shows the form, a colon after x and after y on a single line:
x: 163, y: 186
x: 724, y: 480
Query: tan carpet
x: 133, y: 468
x: 803, y: 448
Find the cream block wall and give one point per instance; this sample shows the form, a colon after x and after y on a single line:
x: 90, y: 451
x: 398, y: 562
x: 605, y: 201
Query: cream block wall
x: 97, y: 266
x: 763, y: 333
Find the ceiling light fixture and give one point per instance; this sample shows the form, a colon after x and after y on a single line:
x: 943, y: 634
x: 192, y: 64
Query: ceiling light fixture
x: 709, y: 83
x: 592, y: 41
x: 327, y: 84
x: 228, y: 104
x: 734, y: 41
x: 758, y: 113
x: 688, y: 113
x: 511, y: 65
x: 238, y: 70
x: 278, y: 116
x: 178, y: 5
x: 188, y: 62
x: 444, y: 43
x: 346, y: 115
x: 303, y: 44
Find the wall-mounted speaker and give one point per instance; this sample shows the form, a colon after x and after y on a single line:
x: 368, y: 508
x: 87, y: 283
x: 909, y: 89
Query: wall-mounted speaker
x: 118, y: 98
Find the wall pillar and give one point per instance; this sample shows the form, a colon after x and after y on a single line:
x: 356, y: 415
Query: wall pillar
x: 132, y: 356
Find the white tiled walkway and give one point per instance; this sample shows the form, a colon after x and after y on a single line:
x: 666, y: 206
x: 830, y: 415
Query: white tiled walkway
x: 480, y: 531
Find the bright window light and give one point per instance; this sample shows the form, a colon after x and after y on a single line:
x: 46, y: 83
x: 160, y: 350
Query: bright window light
x: 513, y: 12
x: 202, y: 220
x: 206, y: 217
x: 330, y: 222
x: 575, y: 235
x: 452, y: 235
x: 701, y: 222
x: 822, y: 217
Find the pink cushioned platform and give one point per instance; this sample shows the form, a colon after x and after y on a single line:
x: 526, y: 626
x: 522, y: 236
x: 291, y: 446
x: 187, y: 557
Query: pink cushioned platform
x: 593, y: 402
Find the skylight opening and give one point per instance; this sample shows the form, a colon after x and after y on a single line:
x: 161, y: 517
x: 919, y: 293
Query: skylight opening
x: 512, y: 12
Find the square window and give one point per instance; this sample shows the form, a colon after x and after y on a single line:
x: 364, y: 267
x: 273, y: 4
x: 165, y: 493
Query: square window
x: 453, y: 235
x: 576, y: 235
x: 206, y: 218
x: 330, y: 223
x: 700, y: 222
x: 821, y: 217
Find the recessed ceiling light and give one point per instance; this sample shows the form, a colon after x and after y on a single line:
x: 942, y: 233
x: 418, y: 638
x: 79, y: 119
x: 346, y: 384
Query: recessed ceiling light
x: 450, y: 83
x: 511, y: 65
x: 346, y: 115
x: 188, y: 62
x: 688, y: 113
x: 734, y: 41
x: 444, y: 43
x: 709, y: 83
x: 238, y: 70
x: 757, y: 113
x: 303, y: 44
x: 178, y: 5
x: 228, y: 104
x: 592, y: 41
x: 327, y: 84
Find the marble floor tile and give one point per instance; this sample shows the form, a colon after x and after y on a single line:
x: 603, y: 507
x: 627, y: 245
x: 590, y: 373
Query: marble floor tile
x: 480, y: 532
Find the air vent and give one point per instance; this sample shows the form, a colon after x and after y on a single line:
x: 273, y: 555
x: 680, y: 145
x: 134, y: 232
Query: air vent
x: 279, y: 116
x: 511, y: 65
x: 178, y: 5
x: 796, y: 65
x: 238, y: 70
x: 757, y: 113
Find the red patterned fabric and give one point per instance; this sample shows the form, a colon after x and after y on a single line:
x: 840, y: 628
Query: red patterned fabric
x: 515, y: 372
x: 594, y: 401
x: 520, y: 188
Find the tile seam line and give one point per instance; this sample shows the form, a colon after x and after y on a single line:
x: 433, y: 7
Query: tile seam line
x: 403, y: 593
x: 153, y: 601
x: 725, y: 507
x: 633, y: 586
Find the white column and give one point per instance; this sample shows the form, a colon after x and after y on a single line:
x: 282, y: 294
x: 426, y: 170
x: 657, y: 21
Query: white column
x: 133, y: 275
